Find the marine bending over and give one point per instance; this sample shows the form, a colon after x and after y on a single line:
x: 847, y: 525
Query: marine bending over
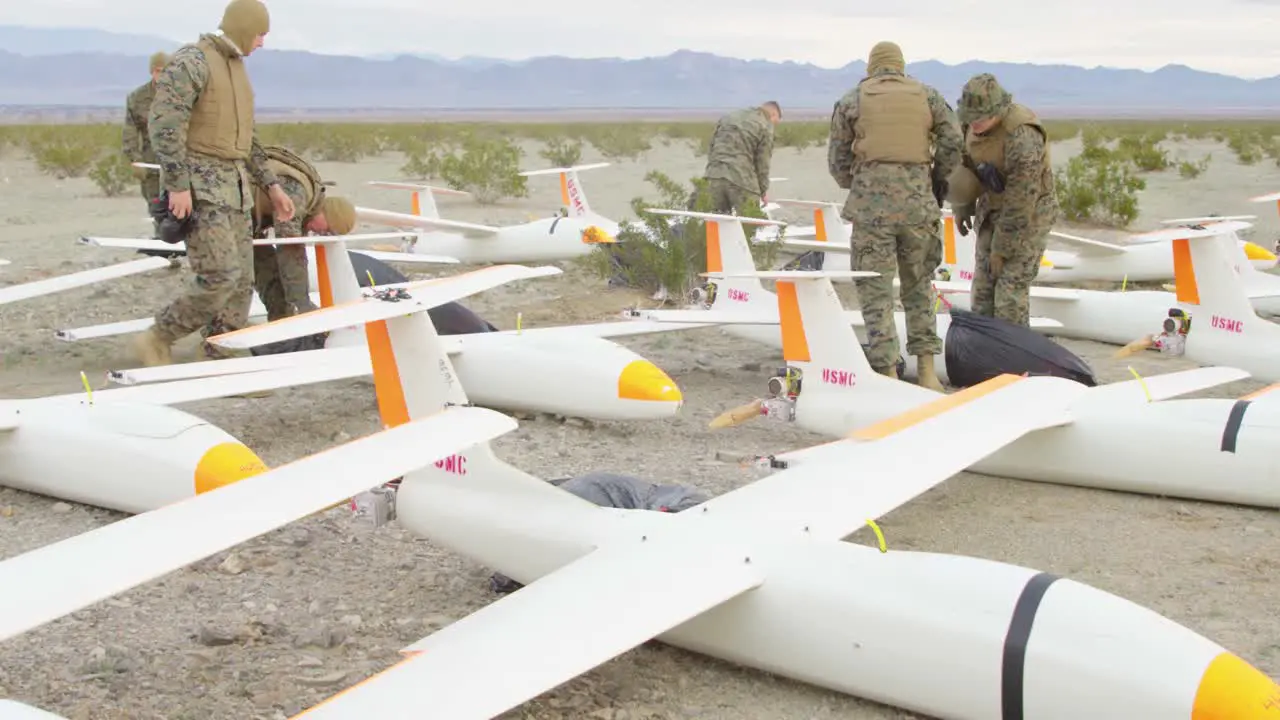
x: 280, y: 272
x: 1005, y: 189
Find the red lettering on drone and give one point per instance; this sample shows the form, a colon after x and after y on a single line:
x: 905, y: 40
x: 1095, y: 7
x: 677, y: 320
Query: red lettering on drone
x: 966, y: 275
x: 843, y: 378
x: 1226, y: 324
x: 455, y: 464
x: 575, y: 196
x: 739, y: 295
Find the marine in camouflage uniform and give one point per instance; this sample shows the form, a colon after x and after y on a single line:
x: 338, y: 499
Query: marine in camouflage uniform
x: 882, y: 132
x: 737, y: 173
x: 1005, y: 189
x: 202, y: 129
x: 280, y: 271
x: 135, y: 140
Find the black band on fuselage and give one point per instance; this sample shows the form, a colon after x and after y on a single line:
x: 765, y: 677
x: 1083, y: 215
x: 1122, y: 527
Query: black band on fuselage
x: 1234, y: 420
x: 1013, y: 669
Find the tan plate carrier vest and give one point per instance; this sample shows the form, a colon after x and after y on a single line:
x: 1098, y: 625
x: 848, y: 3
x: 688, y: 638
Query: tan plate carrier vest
x: 221, y: 122
x: 285, y: 163
x: 894, y: 121
x: 989, y: 149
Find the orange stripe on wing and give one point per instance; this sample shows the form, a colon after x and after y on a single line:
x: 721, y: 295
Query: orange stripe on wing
x: 795, y: 344
x: 917, y: 415
x: 1184, y: 273
x: 564, y: 189
x: 407, y: 657
x: 322, y: 276
x: 819, y: 225
x: 1259, y: 393
x: 949, y: 240
x: 415, y: 204
x: 715, y: 261
x: 387, y: 384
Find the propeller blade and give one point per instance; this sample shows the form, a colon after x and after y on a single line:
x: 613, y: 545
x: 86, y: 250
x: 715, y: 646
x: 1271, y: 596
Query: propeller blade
x: 1134, y: 347
x: 737, y: 416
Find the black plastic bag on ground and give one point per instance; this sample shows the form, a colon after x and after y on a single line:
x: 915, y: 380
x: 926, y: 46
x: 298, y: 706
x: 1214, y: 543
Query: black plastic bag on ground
x: 617, y: 491
x: 979, y: 348
x: 449, y: 319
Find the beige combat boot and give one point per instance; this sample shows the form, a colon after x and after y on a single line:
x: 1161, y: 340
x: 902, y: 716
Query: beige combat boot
x: 925, y: 375
x: 152, y: 349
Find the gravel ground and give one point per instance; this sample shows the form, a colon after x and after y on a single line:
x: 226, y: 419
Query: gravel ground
x: 284, y: 621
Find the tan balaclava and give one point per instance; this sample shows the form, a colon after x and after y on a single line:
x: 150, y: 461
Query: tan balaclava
x: 885, y: 56
x: 339, y: 213
x: 158, y: 61
x: 243, y: 21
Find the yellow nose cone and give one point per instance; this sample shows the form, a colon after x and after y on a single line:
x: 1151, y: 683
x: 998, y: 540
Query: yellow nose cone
x: 642, y: 380
x: 1257, y: 252
x: 224, y: 464
x: 1232, y: 688
x: 1045, y: 262
x: 594, y: 235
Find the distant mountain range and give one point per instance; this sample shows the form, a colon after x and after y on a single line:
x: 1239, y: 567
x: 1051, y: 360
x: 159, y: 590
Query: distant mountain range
x: 85, y: 67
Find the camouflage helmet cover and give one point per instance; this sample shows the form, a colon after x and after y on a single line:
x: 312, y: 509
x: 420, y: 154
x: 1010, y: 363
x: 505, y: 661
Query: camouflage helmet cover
x: 982, y: 98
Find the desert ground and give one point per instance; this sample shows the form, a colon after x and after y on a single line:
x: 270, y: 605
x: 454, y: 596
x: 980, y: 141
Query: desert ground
x: 280, y: 623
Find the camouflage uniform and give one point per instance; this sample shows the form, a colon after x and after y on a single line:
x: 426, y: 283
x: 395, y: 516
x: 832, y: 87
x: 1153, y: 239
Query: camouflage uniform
x: 202, y: 129
x: 738, y: 162
x: 879, y: 150
x: 135, y: 141
x: 1013, y: 225
x: 280, y: 271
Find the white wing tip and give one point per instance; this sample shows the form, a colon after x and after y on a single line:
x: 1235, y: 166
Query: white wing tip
x: 714, y: 216
x: 792, y: 274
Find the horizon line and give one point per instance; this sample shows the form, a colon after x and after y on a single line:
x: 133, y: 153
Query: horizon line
x: 391, y: 56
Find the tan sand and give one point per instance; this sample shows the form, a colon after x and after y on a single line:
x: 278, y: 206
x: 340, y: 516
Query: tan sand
x: 153, y: 652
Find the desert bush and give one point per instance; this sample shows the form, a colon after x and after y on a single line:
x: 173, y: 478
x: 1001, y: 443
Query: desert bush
x: 1189, y: 170
x: 63, y: 158
x: 701, y: 147
x: 488, y: 168
x: 112, y: 173
x: 421, y: 165
x: 562, y: 152
x: 800, y: 136
x: 622, y: 142
x: 1144, y: 151
x: 660, y: 252
x: 1247, y: 145
x: 1101, y: 188
x: 1061, y: 130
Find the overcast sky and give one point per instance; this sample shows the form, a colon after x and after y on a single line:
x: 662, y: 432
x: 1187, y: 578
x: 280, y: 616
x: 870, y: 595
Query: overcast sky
x: 1237, y: 37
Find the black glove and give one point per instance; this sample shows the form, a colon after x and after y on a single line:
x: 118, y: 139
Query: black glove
x: 172, y: 230
x: 990, y: 177
x: 939, y: 189
x: 964, y: 225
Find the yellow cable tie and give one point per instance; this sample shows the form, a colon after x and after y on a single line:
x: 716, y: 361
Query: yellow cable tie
x: 879, y: 535
x: 1141, y: 382
x: 84, y: 380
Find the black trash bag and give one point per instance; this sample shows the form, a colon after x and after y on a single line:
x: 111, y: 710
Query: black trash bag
x: 979, y: 348
x: 617, y: 491
x: 808, y: 261
x: 449, y: 319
